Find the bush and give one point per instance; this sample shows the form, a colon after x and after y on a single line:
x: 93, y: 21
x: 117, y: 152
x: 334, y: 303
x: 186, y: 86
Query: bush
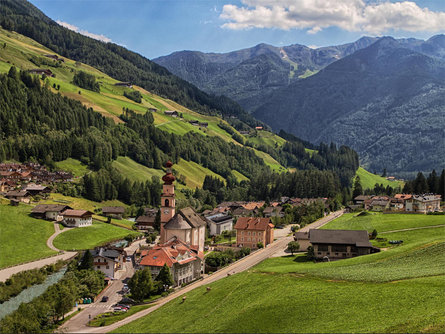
x: 260, y: 245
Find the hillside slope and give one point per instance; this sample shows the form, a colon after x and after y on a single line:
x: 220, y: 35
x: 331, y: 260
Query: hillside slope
x: 250, y: 75
x: 386, y: 101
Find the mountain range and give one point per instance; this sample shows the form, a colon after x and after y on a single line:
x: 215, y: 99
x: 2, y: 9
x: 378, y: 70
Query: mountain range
x: 383, y: 97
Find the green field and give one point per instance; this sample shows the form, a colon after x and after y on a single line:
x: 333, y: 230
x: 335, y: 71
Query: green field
x: 239, y: 177
x: 266, y: 138
x: 109, y: 318
x: 90, y: 236
x: 79, y: 202
x: 383, y: 222
x: 22, y: 238
x: 368, y: 180
x: 194, y: 173
x: 135, y: 171
x: 73, y: 166
x: 395, y: 291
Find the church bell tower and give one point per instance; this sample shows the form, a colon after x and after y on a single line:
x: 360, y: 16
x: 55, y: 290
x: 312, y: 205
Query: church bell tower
x: 167, y: 199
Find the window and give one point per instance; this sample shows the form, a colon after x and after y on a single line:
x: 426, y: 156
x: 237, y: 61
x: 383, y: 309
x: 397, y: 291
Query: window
x: 339, y: 248
x: 323, y: 248
x: 248, y: 233
x: 108, y: 267
x: 167, y: 202
x: 242, y: 239
x: 98, y: 267
x: 253, y: 233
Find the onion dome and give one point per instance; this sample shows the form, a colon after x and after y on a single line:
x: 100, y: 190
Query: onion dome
x: 169, y: 164
x: 168, y: 178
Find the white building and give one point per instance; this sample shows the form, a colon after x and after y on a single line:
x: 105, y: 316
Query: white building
x: 108, y: 261
x: 77, y: 218
x: 423, y: 203
x: 219, y: 223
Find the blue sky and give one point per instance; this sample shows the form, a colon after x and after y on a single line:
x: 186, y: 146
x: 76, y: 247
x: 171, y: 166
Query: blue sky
x: 159, y: 27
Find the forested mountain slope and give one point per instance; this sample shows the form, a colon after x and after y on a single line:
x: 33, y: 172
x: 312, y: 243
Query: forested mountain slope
x: 112, y: 59
x: 250, y: 75
x: 387, y: 101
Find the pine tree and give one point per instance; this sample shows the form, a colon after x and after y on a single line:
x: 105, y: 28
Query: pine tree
x: 87, y: 261
x: 165, y: 276
x: 358, y: 190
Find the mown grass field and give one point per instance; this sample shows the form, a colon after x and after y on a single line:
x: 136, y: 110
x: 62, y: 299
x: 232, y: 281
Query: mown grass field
x: 73, y: 166
x: 79, y: 202
x: 395, y: 291
x: 368, y: 180
x: 91, y: 236
x: 109, y: 318
x: 383, y: 222
x: 135, y: 171
x: 266, y: 138
x: 22, y: 238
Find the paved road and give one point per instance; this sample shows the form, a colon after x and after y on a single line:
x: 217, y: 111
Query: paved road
x: 322, y: 221
x: 8, y: 272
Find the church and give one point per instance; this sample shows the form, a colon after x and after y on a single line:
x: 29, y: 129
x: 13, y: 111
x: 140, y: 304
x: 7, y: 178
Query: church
x: 185, y: 224
x: 182, y: 237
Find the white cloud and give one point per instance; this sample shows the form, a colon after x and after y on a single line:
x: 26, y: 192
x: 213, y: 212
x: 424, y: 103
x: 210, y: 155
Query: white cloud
x: 315, y: 15
x: 102, y: 38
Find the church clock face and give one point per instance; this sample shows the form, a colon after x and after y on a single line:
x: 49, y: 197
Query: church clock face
x: 166, y: 211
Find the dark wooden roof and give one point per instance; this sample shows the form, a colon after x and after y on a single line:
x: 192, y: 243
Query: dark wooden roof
x: 344, y: 237
x: 113, y: 209
x: 43, y: 208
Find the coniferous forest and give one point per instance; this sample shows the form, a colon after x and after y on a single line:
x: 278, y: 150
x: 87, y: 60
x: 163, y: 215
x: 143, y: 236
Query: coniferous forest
x: 38, y: 125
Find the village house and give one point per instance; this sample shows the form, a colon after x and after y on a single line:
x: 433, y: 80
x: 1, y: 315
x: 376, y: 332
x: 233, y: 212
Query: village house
x: 360, y: 200
x: 423, y: 203
x: 379, y: 205
x: 49, y: 211
x: 185, y: 261
x: 219, y: 223
x: 36, y: 189
x: 145, y: 223
x: 258, y: 128
x: 41, y: 71
x: 253, y: 230
x: 172, y: 113
x: 272, y: 211
x: 244, y: 132
x: 108, y: 261
x: 339, y: 244
x: 186, y: 225
x: 19, y: 196
x: 77, y: 218
x: 194, y: 122
x: 152, y: 109
x: 396, y: 204
x: 203, y: 124
x: 303, y: 240
x: 113, y: 211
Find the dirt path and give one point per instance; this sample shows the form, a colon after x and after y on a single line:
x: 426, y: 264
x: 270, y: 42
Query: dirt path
x: 8, y: 272
x: 412, y: 229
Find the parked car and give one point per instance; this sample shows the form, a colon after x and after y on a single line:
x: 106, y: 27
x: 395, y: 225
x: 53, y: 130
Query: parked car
x: 129, y: 259
x: 104, y: 299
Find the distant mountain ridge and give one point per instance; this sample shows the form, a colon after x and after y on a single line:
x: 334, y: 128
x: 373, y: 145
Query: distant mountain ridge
x: 250, y: 75
x: 387, y: 101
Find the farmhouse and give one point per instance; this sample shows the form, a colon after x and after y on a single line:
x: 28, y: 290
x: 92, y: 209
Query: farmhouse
x: 36, y: 189
x: 152, y: 109
x: 219, y: 222
x: 18, y: 195
x: 108, y: 261
x: 55, y: 57
x: 184, y: 261
x: 172, y: 113
x: 253, y: 230
x: 49, y: 211
x: 423, y: 203
x: 145, y: 222
x: 339, y: 244
x: 41, y: 71
x: 194, y: 122
x: 77, y: 218
x: 360, y: 200
x: 303, y: 240
x: 379, y: 205
x: 203, y: 124
x: 186, y: 225
x: 124, y: 84
x: 113, y: 211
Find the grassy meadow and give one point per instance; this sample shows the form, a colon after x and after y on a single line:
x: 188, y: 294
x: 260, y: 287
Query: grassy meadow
x: 368, y: 180
x: 73, y: 166
x: 22, y: 238
x: 395, y: 291
x: 383, y: 222
x: 91, y: 236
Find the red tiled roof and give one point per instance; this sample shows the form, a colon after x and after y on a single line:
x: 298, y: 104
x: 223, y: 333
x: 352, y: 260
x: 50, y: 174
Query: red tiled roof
x: 253, y: 223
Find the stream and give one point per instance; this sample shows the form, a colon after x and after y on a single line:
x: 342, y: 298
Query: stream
x: 29, y: 294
